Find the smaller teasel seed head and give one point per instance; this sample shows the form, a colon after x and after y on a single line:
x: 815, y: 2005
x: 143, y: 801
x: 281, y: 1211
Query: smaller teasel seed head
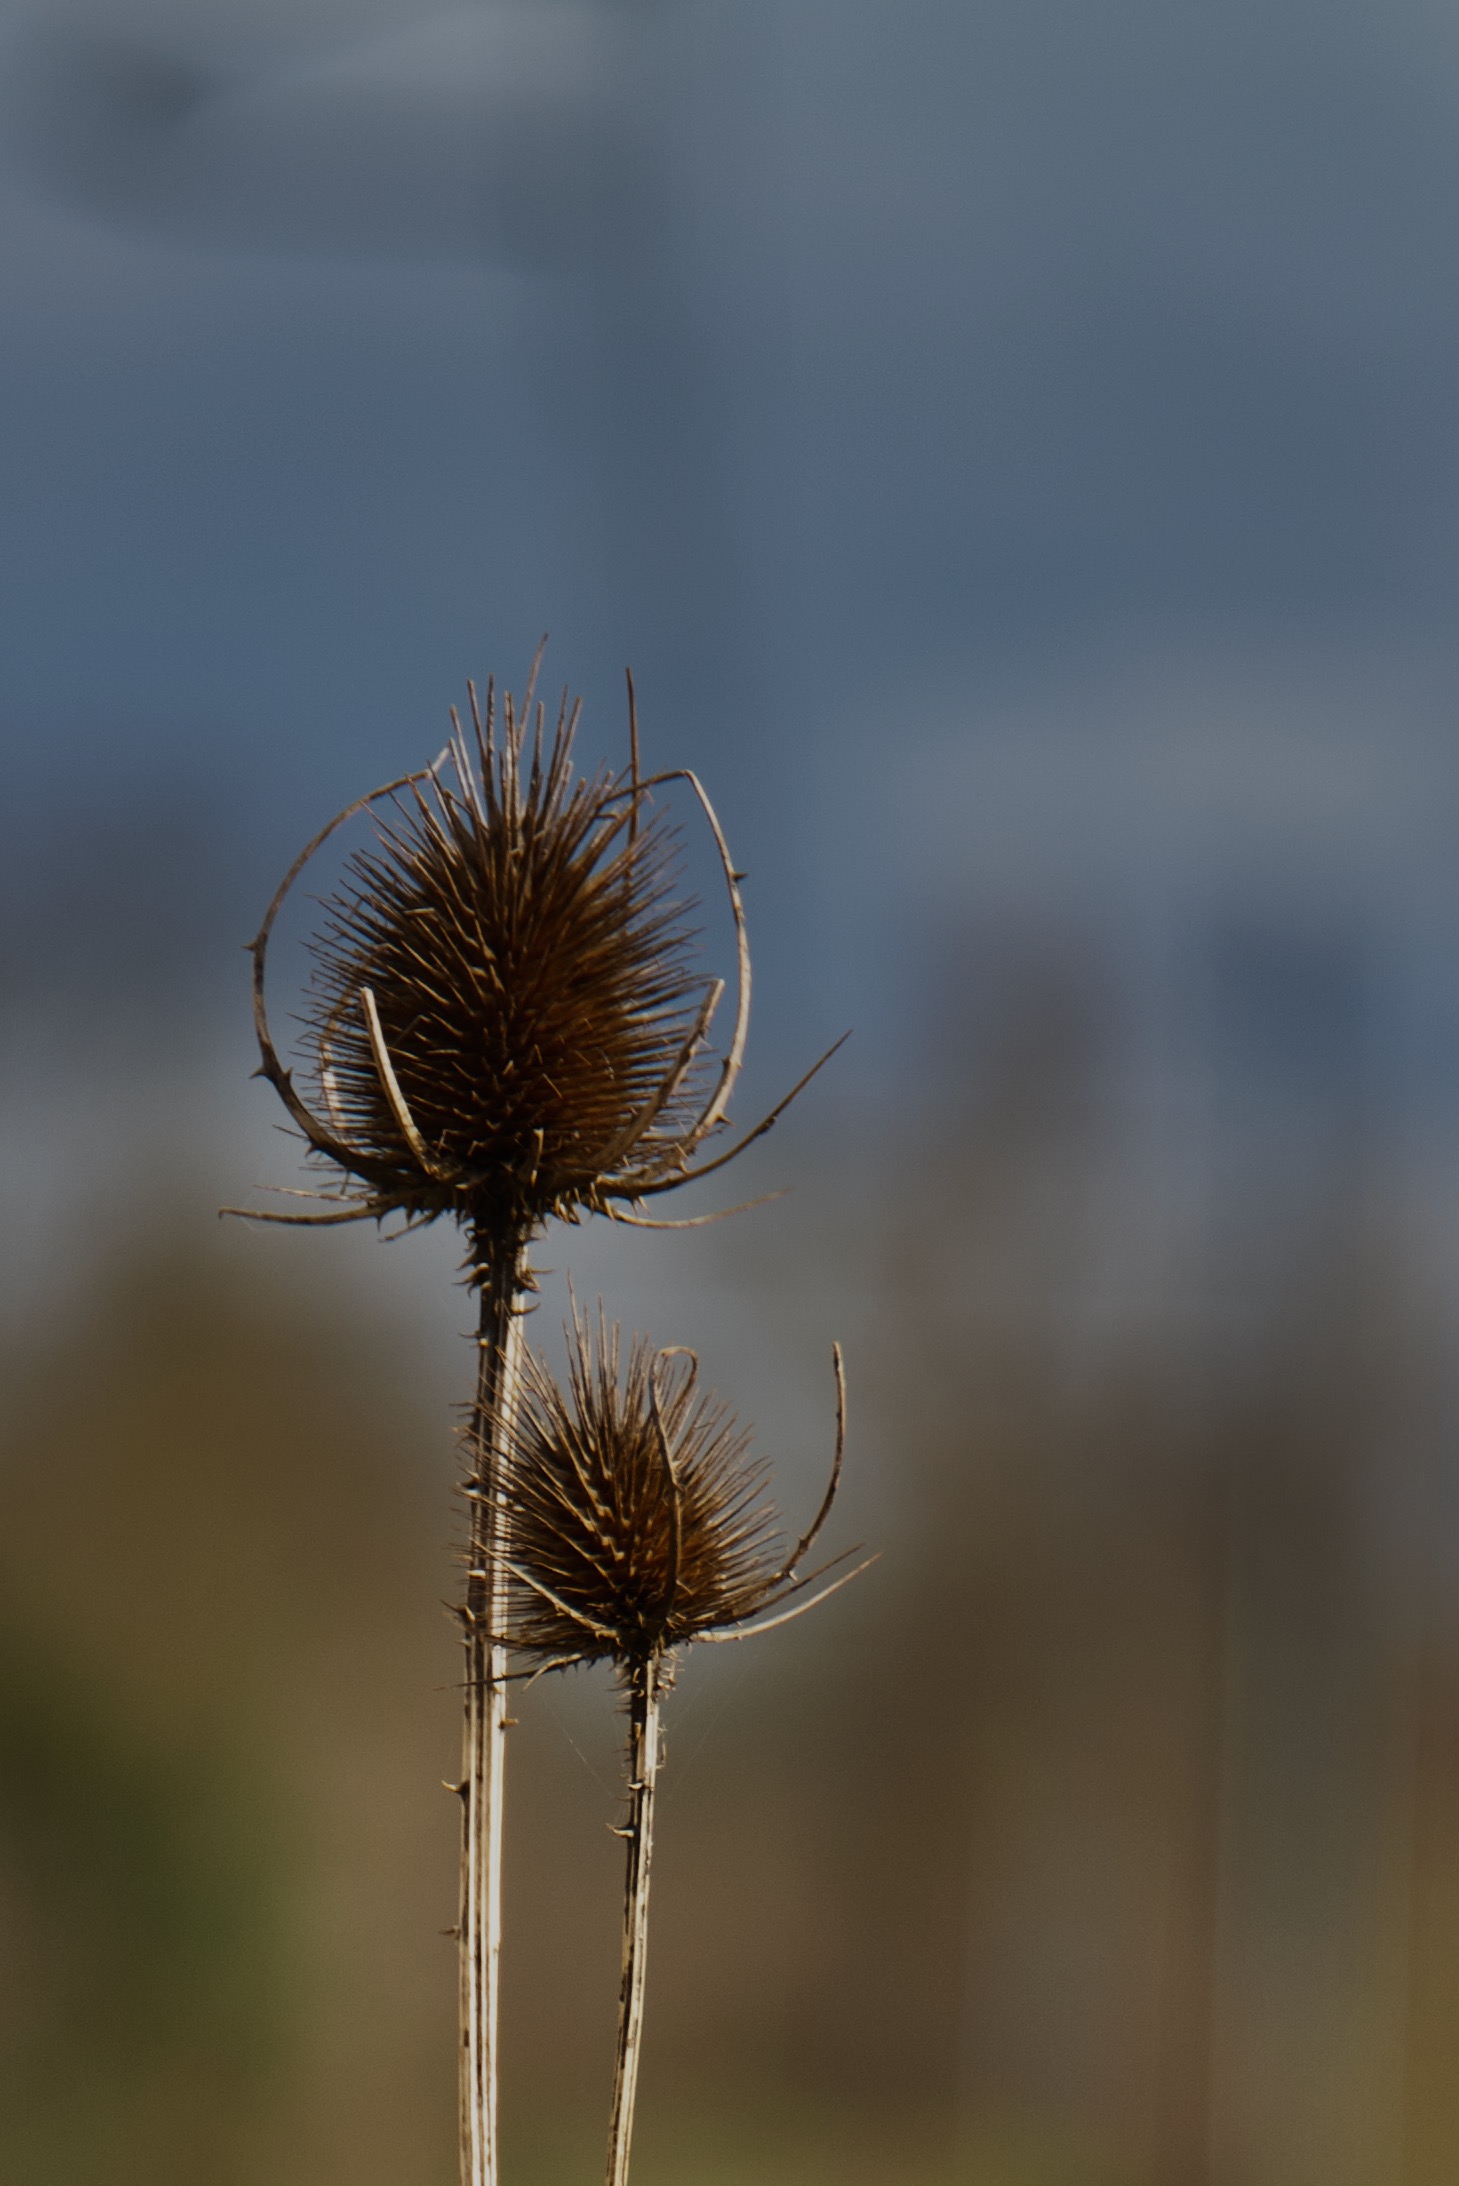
x: 636, y: 1518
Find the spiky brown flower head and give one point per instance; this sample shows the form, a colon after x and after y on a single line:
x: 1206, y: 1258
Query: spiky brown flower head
x: 638, y: 1518
x: 503, y: 1022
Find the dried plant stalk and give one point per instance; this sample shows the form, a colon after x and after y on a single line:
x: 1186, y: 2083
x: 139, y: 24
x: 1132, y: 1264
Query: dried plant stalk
x: 640, y: 1524
x: 484, y: 1730
x: 644, y: 1702
x: 504, y: 1026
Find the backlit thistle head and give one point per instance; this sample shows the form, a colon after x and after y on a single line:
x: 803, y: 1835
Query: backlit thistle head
x: 503, y: 1022
x: 637, y: 1518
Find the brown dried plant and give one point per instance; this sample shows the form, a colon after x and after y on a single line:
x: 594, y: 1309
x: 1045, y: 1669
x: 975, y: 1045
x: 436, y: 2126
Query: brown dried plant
x: 503, y: 1024
x: 639, y: 1523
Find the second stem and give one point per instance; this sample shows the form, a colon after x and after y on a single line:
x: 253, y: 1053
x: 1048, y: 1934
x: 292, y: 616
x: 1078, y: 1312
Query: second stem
x: 644, y: 1695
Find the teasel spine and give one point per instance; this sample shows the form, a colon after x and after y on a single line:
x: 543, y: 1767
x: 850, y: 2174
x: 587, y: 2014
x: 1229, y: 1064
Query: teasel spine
x: 502, y: 1278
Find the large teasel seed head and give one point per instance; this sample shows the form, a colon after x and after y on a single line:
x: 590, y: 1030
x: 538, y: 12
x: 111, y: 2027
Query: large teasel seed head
x: 510, y: 954
x: 503, y: 1022
x: 637, y: 1518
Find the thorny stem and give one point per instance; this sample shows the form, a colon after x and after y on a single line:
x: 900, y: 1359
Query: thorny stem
x: 500, y: 1274
x: 644, y: 1695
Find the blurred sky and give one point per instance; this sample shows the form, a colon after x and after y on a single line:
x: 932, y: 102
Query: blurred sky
x: 1013, y: 444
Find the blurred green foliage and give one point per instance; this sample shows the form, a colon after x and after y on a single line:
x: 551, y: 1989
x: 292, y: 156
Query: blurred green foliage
x: 144, y: 2019
x: 220, y: 1664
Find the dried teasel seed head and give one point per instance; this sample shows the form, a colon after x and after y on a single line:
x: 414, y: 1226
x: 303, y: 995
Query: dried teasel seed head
x: 502, y: 985
x: 636, y: 1517
x: 503, y: 1021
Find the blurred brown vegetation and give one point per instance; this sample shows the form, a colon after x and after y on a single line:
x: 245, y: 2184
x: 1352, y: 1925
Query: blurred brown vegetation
x: 1107, y: 1832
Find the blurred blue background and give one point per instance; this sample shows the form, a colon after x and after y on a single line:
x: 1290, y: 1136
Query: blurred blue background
x: 1014, y: 447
